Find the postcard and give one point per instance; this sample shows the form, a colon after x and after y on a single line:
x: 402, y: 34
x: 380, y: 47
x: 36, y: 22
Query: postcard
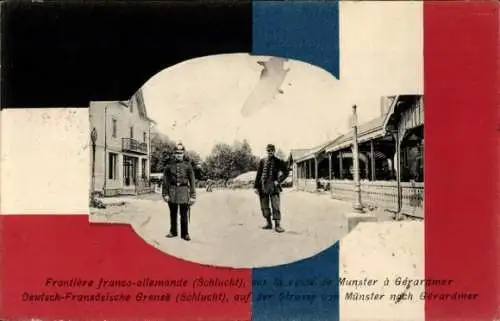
x: 251, y: 160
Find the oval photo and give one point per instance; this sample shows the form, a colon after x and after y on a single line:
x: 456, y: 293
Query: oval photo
x: 208, y: 152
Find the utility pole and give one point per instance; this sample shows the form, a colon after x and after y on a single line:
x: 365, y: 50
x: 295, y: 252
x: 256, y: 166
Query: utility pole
x: 358, y: 214
x: 93, y: 137
x: 105, y: 149
x: 357, y: 206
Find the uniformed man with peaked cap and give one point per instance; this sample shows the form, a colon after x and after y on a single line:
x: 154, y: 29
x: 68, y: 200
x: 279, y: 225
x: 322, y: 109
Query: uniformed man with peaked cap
x: 268, y: 186
x: 179, y: 191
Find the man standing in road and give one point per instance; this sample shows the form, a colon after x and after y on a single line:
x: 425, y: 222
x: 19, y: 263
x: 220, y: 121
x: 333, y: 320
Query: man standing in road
x: 268, y: 186
x: 179, y: 191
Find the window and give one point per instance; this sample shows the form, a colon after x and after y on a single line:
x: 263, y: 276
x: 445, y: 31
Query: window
x: 144, y: 137
x: 112, y: 168
x: 113, y: 133
x: 131, y: 131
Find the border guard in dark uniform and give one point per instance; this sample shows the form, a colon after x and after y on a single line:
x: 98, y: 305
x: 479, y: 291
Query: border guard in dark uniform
x: 179, y: 191
x: 268, y: 186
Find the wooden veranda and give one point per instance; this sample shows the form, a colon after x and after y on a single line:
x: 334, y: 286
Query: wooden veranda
x: 390, y: 157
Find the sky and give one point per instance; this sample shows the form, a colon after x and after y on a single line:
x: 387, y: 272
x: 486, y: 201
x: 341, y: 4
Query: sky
x: 200, y: 101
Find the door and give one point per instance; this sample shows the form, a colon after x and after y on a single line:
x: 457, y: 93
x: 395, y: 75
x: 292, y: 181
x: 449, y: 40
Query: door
x: 126, y: 170
x: 143, y: 170
x: 130, y: 170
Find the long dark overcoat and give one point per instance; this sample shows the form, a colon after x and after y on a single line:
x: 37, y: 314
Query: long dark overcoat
x: 179, y: 182
x: 273, y: 184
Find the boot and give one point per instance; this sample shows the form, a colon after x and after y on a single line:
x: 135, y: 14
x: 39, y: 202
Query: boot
x: 278, y: 227
x: 269, y: 225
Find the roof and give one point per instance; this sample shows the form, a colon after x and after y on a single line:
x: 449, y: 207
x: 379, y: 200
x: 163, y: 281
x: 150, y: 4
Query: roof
x: 399, y: 103
x: 366, y: 131
x: 373, y: 129
x: 138, y: 100
x: 311, y: 153
x: 298, y: 153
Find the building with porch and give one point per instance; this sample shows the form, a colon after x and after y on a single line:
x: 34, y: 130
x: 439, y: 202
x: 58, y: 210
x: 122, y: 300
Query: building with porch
x: 295, y: 154
x: 310, y: 167
x: 390, y: 159
x: 120, y: 161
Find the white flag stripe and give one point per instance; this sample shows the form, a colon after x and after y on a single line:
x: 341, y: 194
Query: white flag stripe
x: 45, y: 159
x: 382, y: 47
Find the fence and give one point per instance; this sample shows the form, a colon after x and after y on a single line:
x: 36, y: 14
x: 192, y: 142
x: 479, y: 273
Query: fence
x: 377, y: 193
x: 308, y: 185
x: 383, y: 194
